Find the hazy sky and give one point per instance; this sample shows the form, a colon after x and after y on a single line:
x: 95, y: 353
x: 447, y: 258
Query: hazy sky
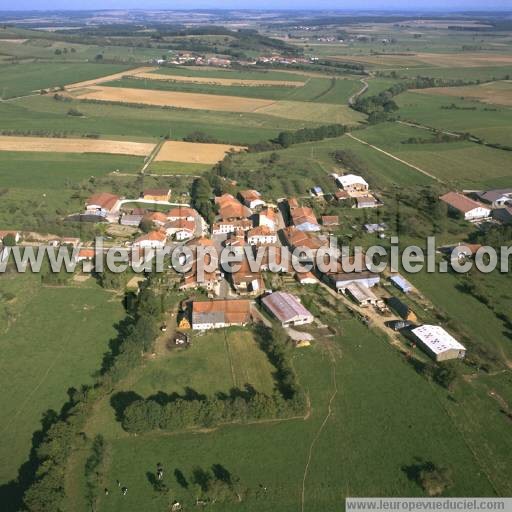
x: 259, y: 4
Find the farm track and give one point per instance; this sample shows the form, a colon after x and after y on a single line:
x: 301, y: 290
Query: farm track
x: 320, y: 430
x: 394, y: 157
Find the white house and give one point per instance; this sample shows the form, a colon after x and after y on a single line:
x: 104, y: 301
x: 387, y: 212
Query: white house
x: 267, y: 217
x: 151, y: 240
x: 472, y: 210
x: 261, y: 235
x: 252, y: 199
x: 353, y: 183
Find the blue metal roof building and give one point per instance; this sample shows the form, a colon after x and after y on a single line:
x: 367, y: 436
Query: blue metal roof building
x: 401, y: 283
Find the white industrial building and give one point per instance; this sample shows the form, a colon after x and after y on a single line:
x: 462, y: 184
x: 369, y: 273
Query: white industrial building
x: 438, y: 343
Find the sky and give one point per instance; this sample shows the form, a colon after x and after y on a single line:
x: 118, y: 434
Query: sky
x: 451, y: 5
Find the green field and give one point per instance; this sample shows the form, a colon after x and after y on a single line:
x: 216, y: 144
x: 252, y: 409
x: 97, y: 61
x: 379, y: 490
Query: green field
x: 378, y: 396
x: 25, y: 78
x: 457, y: 73
x: 462, y: 164
x: 39, y: 187
x: 491, y: 123
x: 114, y: 121
x: 178, y: 168
x: 44, y: 354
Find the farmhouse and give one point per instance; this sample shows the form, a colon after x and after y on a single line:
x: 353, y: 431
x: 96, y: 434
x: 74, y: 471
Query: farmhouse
x: 231, y: 209
x: 287, y: 309
x: 438, y: 343
x: 102, y: 204
x: 151, y: 240
x: 499, y: 198
x: 261, y: 235
x: 351, y: 183
x: 361, y: 294
x: 504, y: 215
x: 85, y: 255
x: 156, y: 194
x: 252, y: 198
x: 182, y: 229
x: 472, y: 210
x: 216, y: 314
x: 304, y: 219
x: 300, y: 239
x: 267, y: 217
x: 245, y: 281
x: 181, y: 212
x: 366, y: 201
x: 131, y: 220
x: 401, y: 283
x: 292, y: 203
x: 330, y: 220
x: 341, y: 195
x: 224, y: 227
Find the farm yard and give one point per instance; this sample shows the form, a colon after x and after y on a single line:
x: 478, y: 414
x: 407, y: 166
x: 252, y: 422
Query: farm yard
x: 181, y: 122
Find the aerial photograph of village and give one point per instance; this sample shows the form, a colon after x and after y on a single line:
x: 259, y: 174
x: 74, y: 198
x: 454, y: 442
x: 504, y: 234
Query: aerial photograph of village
x: 255, y: 256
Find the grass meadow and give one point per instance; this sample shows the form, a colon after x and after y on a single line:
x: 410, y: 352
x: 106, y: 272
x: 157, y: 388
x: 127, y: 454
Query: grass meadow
x: 27, y: 77
x: 44, y: 354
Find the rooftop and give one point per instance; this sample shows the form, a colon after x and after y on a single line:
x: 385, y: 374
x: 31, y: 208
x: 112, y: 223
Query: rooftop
x: 437, y: 339
x: 285, y: 306
x: 460, y: 202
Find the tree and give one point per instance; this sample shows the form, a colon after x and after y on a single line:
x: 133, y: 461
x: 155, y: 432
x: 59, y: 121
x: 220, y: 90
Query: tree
x: 434, y: 480
x: 9, y: 240
x: 98, y: 57
x: 146, y: 225
x: 445, y: 375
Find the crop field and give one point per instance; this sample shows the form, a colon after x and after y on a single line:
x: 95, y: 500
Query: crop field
x: 44, y: 354
x: 192, y: 152
x: 25, y: 78
x: 494, y: 93
x: 44, y: 114
x: 214, y: 81
x: 110, y: 78
x: 55, y: 145
x: 177, y: 168
x: 458, y: 73
x: 492, y: 124
x: 172, y: 99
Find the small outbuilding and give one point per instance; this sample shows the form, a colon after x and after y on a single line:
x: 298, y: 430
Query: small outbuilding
x: 401, y: 283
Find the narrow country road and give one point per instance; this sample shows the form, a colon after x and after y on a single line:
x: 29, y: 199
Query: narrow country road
x: 355, y: 96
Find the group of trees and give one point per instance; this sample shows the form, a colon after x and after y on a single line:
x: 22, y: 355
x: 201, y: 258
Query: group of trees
x: 174, y: 412
x: 288, y: 138
x: 201, y: 195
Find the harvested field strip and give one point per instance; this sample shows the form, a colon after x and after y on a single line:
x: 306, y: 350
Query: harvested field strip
x: 215, y: 81
x: 109, y: 78
x: 54, y: 145
x: 174, y: 99
x: 191, y: 152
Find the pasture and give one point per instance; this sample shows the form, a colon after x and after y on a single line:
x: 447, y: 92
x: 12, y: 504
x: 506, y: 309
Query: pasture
x: 44, y: 354
x: 192, y: 152
x: 28, y: 77
x: 378, y: 396
x: 494, y: 93
x: 65, y: 145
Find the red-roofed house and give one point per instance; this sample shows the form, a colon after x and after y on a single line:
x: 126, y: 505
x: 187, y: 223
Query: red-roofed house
x: 472, y: 210
x: 151, y: 240
x: 102, y: 203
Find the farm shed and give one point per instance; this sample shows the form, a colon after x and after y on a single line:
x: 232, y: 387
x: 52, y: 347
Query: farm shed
x: 215, y: 314
x: 401, y: 309
x: 401, y: 283
x: 438, y: 343
x: 287, y: 309
x: 361, y: 294
x: 472, y: 210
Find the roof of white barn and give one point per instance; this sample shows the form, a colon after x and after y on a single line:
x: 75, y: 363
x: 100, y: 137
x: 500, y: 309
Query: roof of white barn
x: 285, y: 306
x: 351, y: 179
x: 437, y: 339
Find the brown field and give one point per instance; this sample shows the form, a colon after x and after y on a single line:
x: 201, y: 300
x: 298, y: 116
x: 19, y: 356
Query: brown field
x: 194, y: 152
x: 499, y: 93
x: 216, y: 81
x: 463, y: 59
x: 173, y: 99
x: 53, y: 145
x: 14, y: 41
x: 109, y: 78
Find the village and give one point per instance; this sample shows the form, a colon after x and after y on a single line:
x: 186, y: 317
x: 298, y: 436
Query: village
x: 248, y: 223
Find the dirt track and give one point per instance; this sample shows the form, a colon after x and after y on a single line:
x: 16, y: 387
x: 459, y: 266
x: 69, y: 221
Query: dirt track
x: 54, y: 145
x: 191, y: 152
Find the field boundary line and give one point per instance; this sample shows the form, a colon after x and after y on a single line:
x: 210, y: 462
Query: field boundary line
x: 390, y: 155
